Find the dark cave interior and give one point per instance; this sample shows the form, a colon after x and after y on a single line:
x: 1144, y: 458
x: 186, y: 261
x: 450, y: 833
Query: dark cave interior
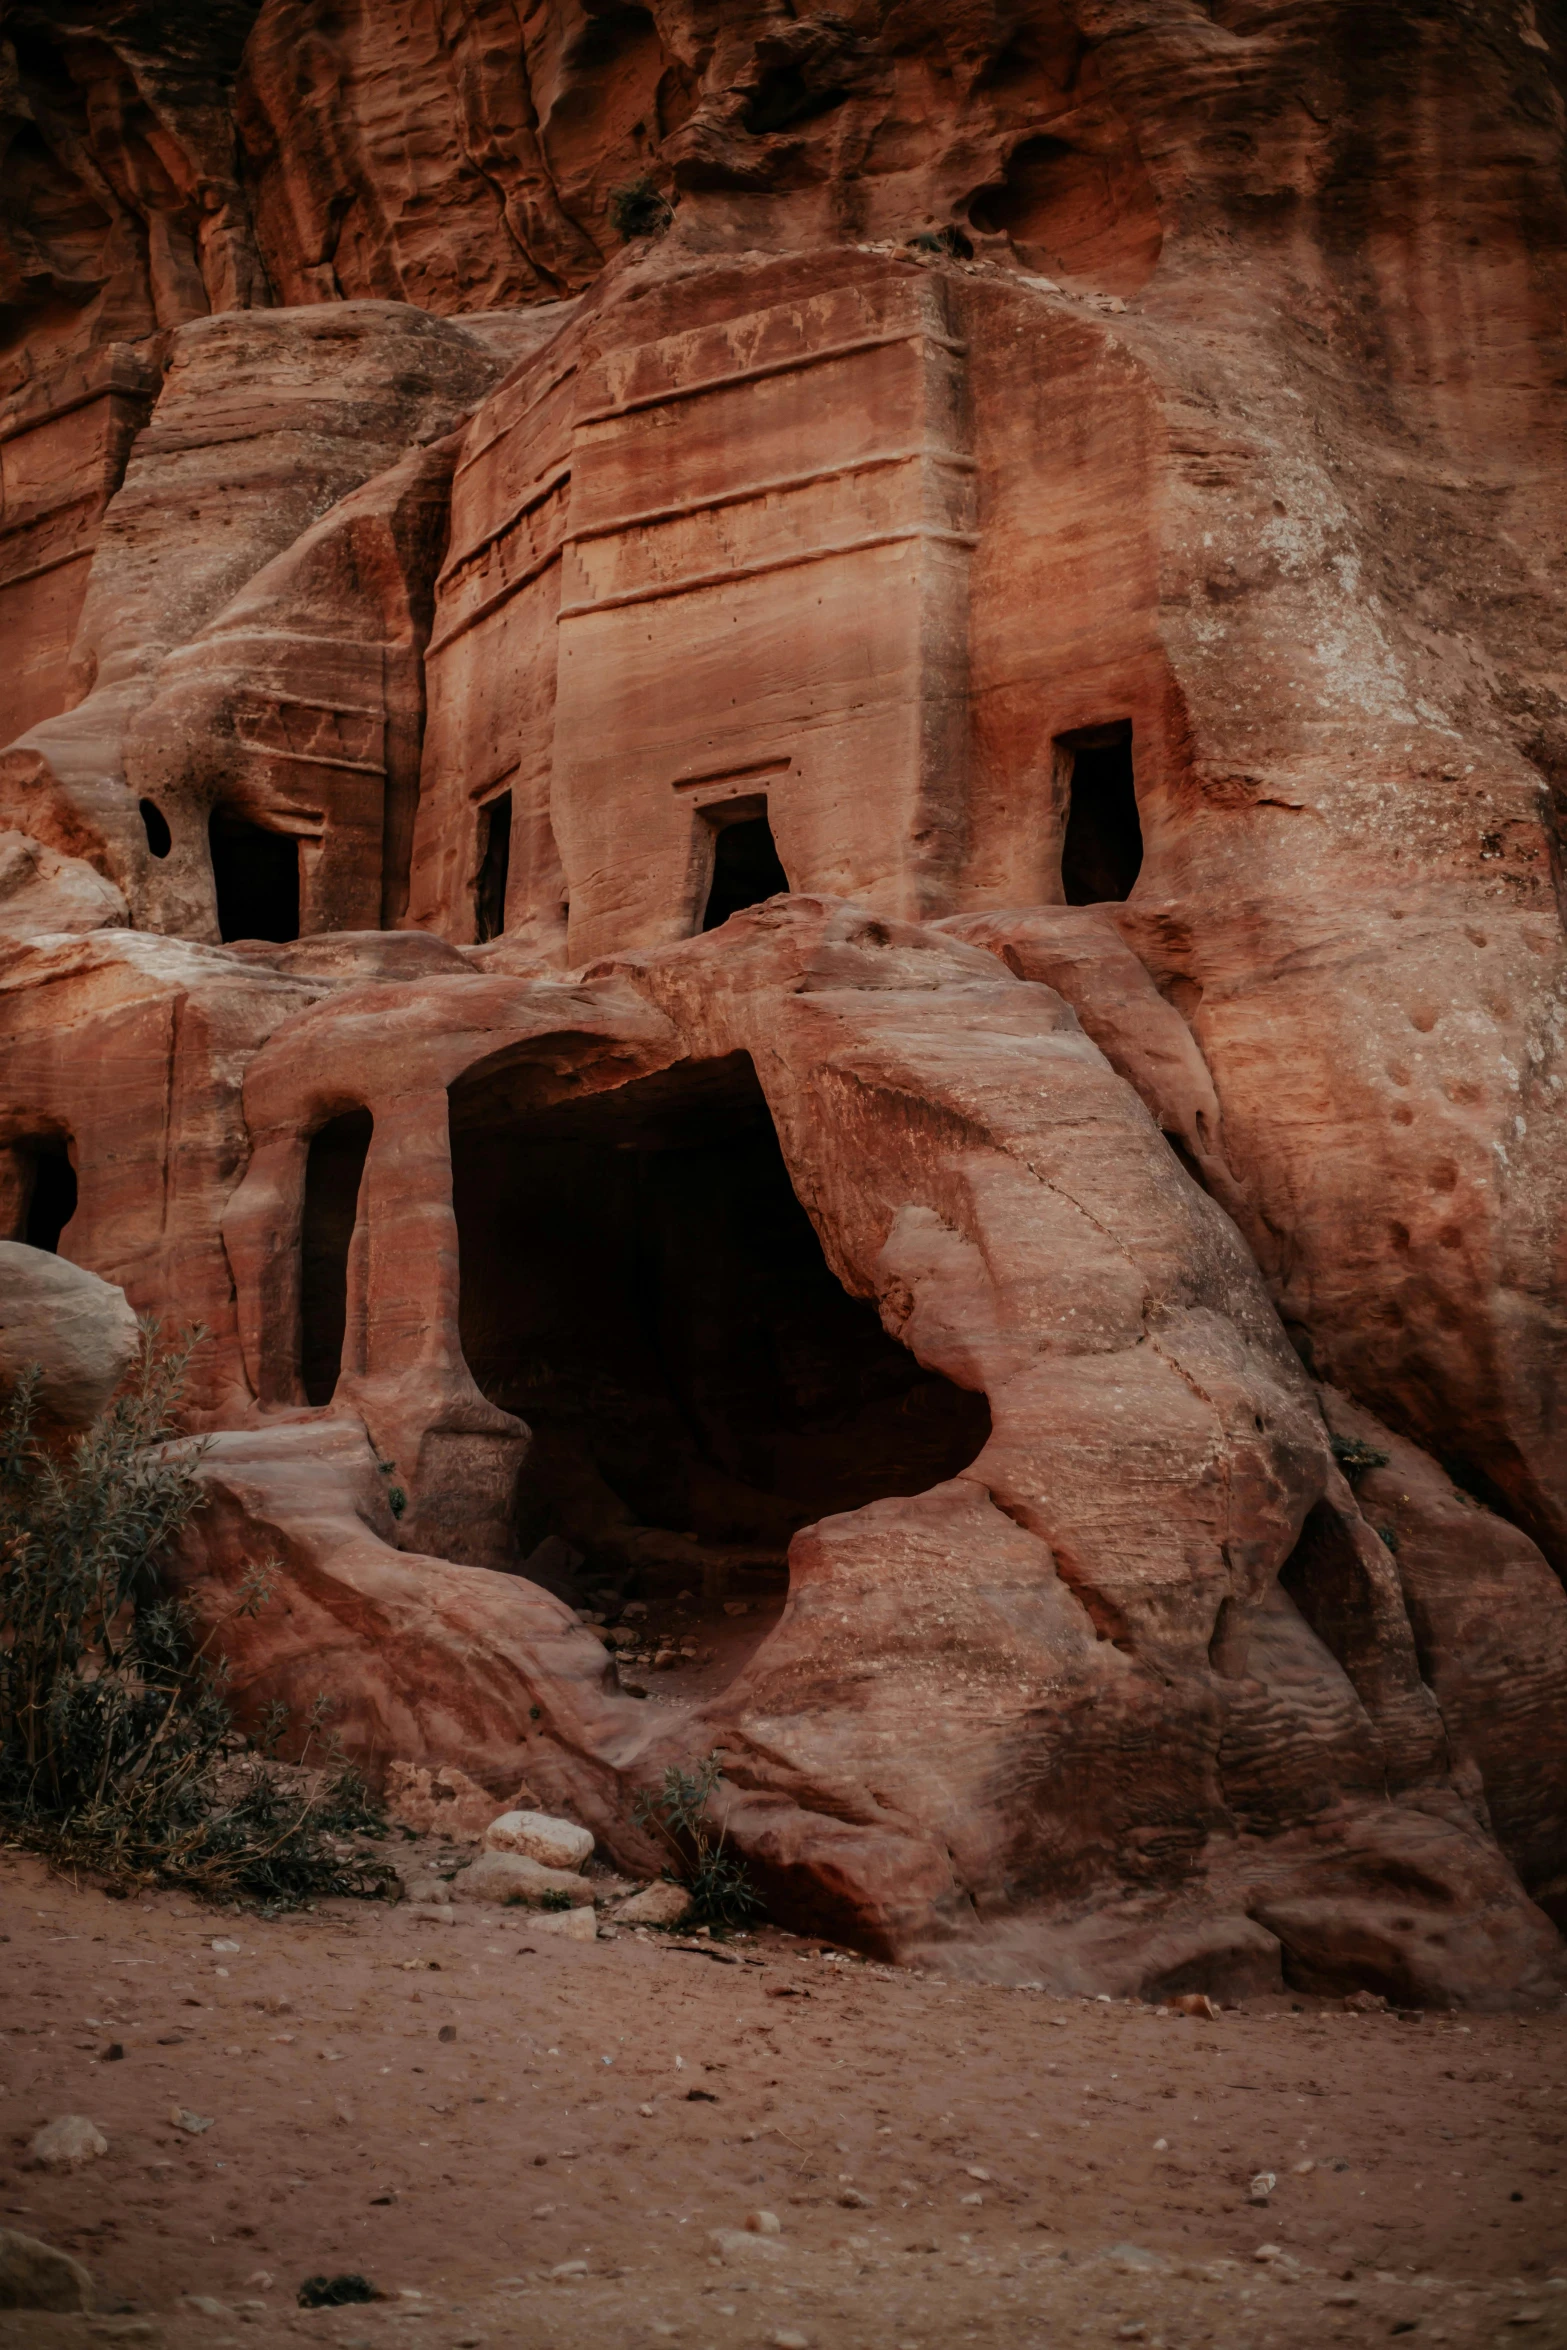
x: 641, y: 1286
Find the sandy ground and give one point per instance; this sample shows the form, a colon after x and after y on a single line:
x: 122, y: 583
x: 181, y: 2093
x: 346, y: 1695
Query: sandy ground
x: 525, y: 2141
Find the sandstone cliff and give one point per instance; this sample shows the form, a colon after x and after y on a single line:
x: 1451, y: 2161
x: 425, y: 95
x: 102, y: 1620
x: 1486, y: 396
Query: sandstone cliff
x: 785, y: 799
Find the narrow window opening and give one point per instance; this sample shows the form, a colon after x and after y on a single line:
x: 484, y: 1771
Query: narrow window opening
x: 51, y: 1192
x: 333, y: 1172
x: 1102, y: 854
x: 256, y: 873
x: 156, y: 826
x: 494, y: 865
x: 747, y: 869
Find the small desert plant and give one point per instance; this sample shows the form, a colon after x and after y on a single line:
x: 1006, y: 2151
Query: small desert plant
x: 555, y: 1897
x: 337, y: 2292
x: 117, y: 1746
x: 638, y: 210
x: 718, y: 1882
x: 949, y: 241
x: 1354, y: 1456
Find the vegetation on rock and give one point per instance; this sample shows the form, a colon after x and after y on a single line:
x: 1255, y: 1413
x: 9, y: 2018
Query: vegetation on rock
x: 118, y: 1749
x: 718, y: 1882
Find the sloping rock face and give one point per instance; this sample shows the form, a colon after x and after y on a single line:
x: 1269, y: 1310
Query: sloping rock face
x: 784, y: 801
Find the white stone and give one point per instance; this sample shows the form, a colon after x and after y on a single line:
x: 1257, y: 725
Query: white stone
x: 662, y: 1904
x: 427, y: 1890
x: 565, y: 1925
x: 740, y: 2247
x: 556, y: 1844
x: 513, y: 1876
x: 67, y: 2143
x: 79, y: 1330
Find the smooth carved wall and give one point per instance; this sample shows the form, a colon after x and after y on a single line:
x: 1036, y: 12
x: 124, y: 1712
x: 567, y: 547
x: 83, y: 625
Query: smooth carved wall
x: 715, y: 561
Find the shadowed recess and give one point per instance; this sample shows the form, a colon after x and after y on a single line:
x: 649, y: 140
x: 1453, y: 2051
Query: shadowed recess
x: 747, y: 870
x: 43, y: 1190
x: 156, y: 826
x: 256, y: 876
x: 642, y: 1287
x: 489, y: 908
x: 333, y: 1172
x: 1102, y: 854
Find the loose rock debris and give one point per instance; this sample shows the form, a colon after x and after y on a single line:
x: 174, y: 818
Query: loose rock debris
x: 818, y: 2181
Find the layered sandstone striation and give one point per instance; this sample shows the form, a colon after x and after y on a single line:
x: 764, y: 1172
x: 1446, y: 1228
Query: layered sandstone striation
x: 784, y: 802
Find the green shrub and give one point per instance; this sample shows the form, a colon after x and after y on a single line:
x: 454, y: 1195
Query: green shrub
x: 117, y: 1746
x: 718, y: 1882
x: 949, y: 241
x: 638, y: 210
x: 1354, y: 1456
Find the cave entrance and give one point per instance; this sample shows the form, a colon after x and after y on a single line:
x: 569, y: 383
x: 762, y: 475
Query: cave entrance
x: 1102, y: 849
x: 489, y: 906
x: 38, y: 1188
x: 333, y: 1172
x: 747, y: 868
x: 640, y: 1285
x: 256, y: 875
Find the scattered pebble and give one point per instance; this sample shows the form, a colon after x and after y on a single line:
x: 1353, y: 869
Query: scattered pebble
x: 67, y: 2143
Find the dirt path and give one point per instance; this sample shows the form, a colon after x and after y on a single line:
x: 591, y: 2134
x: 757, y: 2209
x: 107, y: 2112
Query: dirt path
x: 459, y: 2111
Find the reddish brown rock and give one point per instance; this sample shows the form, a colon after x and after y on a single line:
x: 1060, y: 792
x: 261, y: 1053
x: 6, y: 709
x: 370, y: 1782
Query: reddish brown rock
x: 1490, y: 1627
x: 266, y: 420
x: 441, y: 1802
x: 121, y: 1057
x: 1071, y: 499
x: 65, y: 437
x: 75, y: 1332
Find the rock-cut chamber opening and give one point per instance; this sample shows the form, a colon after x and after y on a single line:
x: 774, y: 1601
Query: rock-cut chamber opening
x: 747, y: 869
x: 1102, y: 850
x: 489, y: 897
x: 256, y: 876
x: 38, y: 1185
x: 640, y: 1285
x: 334, y: 1170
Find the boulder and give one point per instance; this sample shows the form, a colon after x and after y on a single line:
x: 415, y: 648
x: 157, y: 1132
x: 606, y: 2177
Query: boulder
x: 34, y: 2275
x: 78, y: 1329
x: 565, y: 1925
x: 67, y: 2143
x: 662, y: 1904
x: 558, y: 1844
x: 740, y: 2247
x: 508, y: 1877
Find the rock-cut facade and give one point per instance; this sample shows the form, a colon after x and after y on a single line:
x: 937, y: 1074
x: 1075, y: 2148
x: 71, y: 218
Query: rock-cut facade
x: 784, y: 803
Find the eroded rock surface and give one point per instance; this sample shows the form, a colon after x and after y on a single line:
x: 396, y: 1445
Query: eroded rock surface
x: 784, y: 803
x: 74, y: 1331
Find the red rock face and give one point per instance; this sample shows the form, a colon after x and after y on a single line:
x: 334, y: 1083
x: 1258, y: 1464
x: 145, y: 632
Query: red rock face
x: 785, y: 803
